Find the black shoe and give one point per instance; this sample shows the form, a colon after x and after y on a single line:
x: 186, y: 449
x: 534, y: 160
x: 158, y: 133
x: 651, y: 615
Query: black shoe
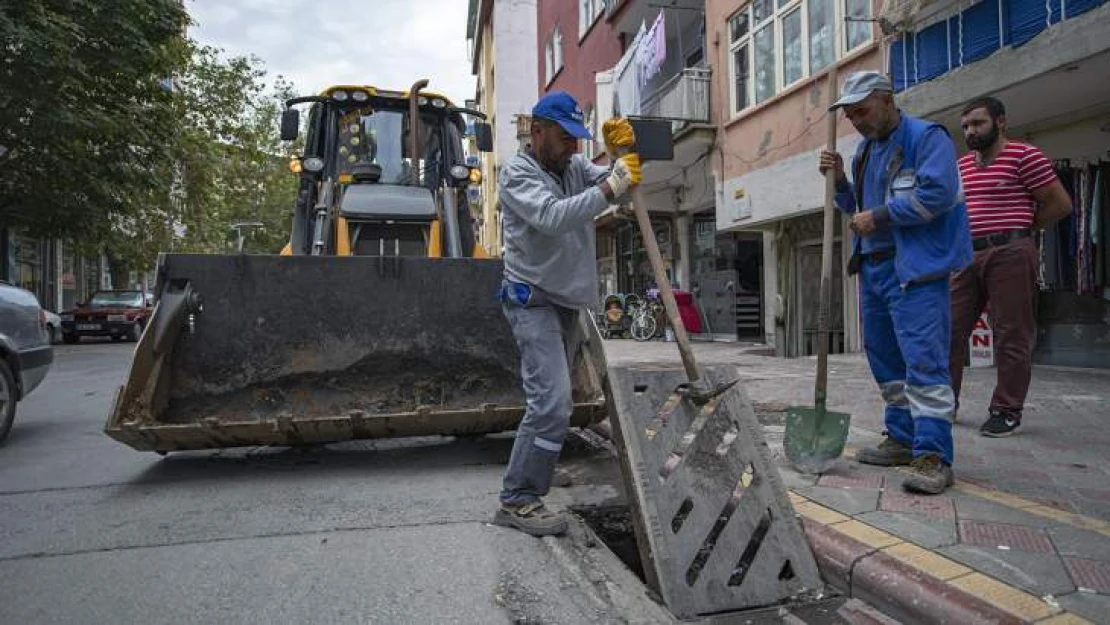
x: 889, y: 453
x: 1001, y: 424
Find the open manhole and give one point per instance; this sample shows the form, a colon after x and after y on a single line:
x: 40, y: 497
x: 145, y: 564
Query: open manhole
x: 613, y: 525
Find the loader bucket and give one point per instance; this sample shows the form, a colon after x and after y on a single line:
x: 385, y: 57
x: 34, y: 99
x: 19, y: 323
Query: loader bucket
x: 296, y: 350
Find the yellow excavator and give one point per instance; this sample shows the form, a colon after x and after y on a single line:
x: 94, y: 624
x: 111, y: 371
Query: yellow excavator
x: 377, y: 319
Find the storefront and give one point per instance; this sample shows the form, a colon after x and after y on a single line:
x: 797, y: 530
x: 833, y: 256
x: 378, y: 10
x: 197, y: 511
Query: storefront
x: 1074, y: 274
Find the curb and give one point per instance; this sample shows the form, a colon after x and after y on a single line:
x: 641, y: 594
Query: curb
x: 909, y: 582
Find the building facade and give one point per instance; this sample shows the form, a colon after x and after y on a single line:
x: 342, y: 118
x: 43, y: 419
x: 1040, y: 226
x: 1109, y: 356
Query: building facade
x: 502, y: 38
x: 53, y: 270
x: 771, y: 92
x: 1049, y: 63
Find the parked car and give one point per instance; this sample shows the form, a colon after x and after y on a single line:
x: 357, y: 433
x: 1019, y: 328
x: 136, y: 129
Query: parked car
x: 25, y: 350
x: 53, y: 326
x: 118, y: 314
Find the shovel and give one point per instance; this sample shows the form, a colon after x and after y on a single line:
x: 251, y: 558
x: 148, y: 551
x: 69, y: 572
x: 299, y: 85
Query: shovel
x: 815, y: 436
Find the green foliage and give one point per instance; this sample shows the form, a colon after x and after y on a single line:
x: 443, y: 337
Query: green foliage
x: 84, y: 121
x: 95, y: 149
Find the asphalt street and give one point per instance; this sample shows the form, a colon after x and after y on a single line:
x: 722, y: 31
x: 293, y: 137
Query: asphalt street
x: 388, y: 531
x: 94, y: 532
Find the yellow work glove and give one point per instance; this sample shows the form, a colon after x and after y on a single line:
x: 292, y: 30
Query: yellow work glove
x: 618, y: 135
x: 625, y: 173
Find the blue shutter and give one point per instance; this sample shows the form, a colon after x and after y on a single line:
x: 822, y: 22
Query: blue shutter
x: 981, y: 35
x: 1025, y: 20
x: 932, y: 51
x: 1077, y: 7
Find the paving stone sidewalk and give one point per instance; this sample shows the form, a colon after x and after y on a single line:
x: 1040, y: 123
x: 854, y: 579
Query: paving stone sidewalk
x: 1024, y: 536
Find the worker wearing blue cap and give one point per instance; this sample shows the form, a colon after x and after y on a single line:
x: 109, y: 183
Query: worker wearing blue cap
x: 549, y: 196
x: 910, y: 223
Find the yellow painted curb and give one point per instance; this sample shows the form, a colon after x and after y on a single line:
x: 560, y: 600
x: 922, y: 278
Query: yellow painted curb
x: 1067, y: 618
x: 866, y: 534
x: 924, y: 560
x: 996, y: 496
x: 1017, y: 602
x: 819, y: 513
x: 1071, y: 518
x: 795, y: 498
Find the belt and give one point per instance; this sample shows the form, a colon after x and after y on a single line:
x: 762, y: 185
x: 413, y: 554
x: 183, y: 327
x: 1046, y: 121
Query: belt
x: 998, y: 238
x: 877, y: 256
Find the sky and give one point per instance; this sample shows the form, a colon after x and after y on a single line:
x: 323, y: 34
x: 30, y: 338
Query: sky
x: 386, y: 43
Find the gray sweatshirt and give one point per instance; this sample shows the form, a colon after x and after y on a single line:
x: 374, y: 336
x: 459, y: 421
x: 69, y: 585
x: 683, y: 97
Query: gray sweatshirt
x: 548, y: 227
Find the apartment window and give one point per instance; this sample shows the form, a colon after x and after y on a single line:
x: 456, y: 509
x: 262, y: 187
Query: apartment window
x: 858, y: 32
x: 589, y: 146
x: 553, y: 55
x: 588, y: 12
x: 773, y: 44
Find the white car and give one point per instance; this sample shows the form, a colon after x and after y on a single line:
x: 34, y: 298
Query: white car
x: 53, y: 326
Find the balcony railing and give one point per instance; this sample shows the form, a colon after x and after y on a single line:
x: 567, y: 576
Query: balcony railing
x: 685, y: 97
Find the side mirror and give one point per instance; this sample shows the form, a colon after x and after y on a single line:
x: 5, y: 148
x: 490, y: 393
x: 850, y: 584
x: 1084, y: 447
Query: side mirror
x: 483, y: 135
x: 290, y: 124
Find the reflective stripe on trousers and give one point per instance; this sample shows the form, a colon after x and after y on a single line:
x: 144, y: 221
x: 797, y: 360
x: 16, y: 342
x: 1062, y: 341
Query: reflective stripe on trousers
x: 542, y: 333
x: 906, y: 335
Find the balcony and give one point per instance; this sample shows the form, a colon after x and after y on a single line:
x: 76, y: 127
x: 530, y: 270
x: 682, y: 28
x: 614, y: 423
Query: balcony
x: 682, y: 98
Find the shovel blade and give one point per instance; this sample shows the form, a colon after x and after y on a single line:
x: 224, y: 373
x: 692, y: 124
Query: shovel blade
x: 814, y: 438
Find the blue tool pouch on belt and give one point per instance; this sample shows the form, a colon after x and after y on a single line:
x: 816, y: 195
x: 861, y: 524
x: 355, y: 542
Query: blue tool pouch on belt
x: 523, y: 295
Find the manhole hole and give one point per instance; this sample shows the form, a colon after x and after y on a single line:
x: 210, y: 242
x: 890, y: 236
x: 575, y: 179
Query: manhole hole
x: 613, y: 525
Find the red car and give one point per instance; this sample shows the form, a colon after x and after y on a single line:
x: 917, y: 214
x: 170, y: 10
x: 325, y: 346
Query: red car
x: 118, y: 314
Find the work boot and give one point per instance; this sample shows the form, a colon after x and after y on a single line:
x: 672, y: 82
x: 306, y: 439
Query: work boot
x: 1002, y: 423
x: 928, y: 475
x: 889, y: 453
x: 532, y: 518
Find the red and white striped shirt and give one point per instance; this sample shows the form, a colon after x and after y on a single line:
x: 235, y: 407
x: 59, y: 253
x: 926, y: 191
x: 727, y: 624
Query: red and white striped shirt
x: 1000, y: 195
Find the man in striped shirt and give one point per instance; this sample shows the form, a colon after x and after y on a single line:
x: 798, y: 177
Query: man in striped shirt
x: 1010, y: 188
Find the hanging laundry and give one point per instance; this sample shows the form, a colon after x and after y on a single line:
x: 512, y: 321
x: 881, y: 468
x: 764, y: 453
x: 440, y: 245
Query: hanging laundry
x: 628, y: 74
x: 653, y: 50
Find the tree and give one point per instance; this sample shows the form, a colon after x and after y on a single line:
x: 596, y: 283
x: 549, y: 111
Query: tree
x: 233, y: 165
x: 86, y: 115
x: 100, y: 147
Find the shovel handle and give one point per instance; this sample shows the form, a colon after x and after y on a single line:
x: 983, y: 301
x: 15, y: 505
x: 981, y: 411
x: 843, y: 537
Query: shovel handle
x: 820, y: 391
x: 639, y: 207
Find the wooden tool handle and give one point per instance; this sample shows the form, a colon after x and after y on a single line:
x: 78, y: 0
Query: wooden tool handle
x: 665, y: 293
x: 820, y: 390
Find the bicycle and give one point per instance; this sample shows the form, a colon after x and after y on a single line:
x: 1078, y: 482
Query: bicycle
x: 644, y: 324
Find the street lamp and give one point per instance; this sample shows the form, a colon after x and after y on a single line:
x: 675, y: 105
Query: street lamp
x: 239, y: 226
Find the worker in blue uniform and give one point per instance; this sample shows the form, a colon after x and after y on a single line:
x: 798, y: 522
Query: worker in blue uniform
x: 911, y: 232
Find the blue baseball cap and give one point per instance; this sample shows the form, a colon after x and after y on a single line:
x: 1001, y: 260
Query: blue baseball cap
x: 561, y: 107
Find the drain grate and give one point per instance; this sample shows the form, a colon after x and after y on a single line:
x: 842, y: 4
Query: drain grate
x: 715, y: 529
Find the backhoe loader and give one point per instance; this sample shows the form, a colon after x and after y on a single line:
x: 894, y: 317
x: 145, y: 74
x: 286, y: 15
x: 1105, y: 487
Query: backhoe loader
x: 377, y: 319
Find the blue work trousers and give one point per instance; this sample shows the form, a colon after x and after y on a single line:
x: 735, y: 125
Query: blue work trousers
x: 544, y: 335
x: 906, y: 334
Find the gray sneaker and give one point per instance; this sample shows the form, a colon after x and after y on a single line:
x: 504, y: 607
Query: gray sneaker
x: 889, y: 453
x: 929, y: 475
x: 532, y: 518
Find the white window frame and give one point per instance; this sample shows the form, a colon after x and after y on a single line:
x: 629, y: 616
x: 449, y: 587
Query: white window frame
x: 588, y: 13
x: 589, y: 146
x: 779, y: 10
x: 553, y: 55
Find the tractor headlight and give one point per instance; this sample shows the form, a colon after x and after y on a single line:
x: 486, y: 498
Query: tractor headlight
x: 360, y: 96
x: 439, y: 103
x: 339, y: 95
x: 460, y: 172
x: 313, y: 164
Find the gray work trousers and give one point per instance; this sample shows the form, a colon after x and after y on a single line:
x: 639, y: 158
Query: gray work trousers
x: 543, y: 334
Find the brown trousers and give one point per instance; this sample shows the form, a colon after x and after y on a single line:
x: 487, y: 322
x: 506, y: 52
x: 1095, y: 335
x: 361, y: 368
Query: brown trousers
x: 1006, y: 277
